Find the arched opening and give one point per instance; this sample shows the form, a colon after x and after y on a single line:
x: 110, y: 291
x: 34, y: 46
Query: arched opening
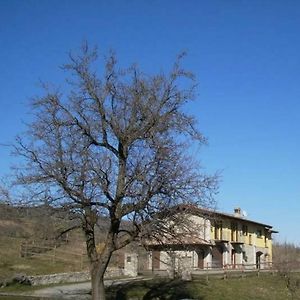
x: 233, y: 258
x: 217, y: 256
x: 258, y: 257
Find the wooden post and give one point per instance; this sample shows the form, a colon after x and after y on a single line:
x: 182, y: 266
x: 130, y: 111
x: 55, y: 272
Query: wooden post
x: 207, y: 272
x: 54, y: 254
x: 225, y: 272
x: 21, y: 250
x: 81, y: 261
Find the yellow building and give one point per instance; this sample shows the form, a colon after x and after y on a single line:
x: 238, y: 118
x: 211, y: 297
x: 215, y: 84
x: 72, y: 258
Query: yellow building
x: 222, y: 241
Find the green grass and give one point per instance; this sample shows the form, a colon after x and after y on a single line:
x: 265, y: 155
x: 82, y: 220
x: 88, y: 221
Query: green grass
x: 265, y: 287
x: 20, y: 288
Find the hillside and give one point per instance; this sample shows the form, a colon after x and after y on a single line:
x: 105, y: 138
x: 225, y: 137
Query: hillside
x: 31, y: 242
x: 32, y: 229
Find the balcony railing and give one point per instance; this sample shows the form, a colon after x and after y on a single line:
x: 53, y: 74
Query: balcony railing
x: 227, y: 236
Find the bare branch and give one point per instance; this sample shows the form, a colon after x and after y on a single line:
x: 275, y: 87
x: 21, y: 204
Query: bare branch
x: 114, y: 145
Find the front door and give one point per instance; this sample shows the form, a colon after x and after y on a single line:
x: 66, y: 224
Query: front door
x: 155, y: 260
x: 200, y: 259
x: 258, y: 255
x: 233, y: 259
x: 217, y: 257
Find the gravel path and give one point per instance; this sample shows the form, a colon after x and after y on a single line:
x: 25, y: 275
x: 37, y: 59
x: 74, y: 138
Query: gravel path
x: 79, y: 291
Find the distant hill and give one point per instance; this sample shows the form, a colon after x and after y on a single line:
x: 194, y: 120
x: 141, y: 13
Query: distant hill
x: 30, y: 241
x: 39, y: 226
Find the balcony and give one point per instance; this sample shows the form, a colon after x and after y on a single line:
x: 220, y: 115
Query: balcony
x: 238, y: 242
x: 221, y: 237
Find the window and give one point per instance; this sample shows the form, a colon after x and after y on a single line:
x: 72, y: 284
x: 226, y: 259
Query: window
x: 259, y: 233
x: 245, y: 230
x: 234, y: 231
x: 218, y: 230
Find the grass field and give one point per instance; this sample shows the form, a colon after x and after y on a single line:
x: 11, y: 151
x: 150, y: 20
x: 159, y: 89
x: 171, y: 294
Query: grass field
x: 12, y: 263
x: 265, y: 287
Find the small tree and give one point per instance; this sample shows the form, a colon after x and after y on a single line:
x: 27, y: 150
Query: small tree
x: 114, y: 146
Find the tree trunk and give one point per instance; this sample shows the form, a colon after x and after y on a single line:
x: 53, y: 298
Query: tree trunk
x: 97, y: 278
x: 98, y: 262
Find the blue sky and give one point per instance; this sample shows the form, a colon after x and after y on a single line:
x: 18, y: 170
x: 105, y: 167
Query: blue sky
x: 245, y: 54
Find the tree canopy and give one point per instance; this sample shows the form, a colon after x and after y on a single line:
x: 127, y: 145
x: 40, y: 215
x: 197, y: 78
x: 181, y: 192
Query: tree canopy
x: 114, y: 143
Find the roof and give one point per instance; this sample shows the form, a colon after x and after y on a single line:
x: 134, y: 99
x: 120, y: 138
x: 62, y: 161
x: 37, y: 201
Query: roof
x: 188, y: 238
x: 213, y: 213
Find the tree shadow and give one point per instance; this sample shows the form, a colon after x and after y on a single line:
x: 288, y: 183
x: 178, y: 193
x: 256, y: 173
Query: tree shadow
x: 153, y: 290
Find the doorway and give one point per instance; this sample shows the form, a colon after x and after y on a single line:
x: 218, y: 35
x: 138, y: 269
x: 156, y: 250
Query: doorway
x: 233, y: 258
x: 200, y: 254
x: 258, y: 259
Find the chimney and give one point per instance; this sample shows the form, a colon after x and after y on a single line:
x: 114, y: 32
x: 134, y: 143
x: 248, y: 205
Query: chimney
x: 237, y: 212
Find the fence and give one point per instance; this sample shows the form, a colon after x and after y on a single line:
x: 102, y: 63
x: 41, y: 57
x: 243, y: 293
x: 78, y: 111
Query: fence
x: 219, y: 265
x: 52, y: 253
x: 243, y: 270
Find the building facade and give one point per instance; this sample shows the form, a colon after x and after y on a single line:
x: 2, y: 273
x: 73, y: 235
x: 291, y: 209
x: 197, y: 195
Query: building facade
x: 221, y: 241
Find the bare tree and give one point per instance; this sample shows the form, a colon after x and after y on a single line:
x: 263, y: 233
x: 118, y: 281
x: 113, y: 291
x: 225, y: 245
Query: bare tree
x: 286, y: 262
x: 116, y: 146
x: 5, y: 196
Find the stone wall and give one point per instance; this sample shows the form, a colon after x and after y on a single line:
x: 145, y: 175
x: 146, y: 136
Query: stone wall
x: 71, y: 277
x: 114, y: 272
x: 130, y: 269
x: 59, y: 278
